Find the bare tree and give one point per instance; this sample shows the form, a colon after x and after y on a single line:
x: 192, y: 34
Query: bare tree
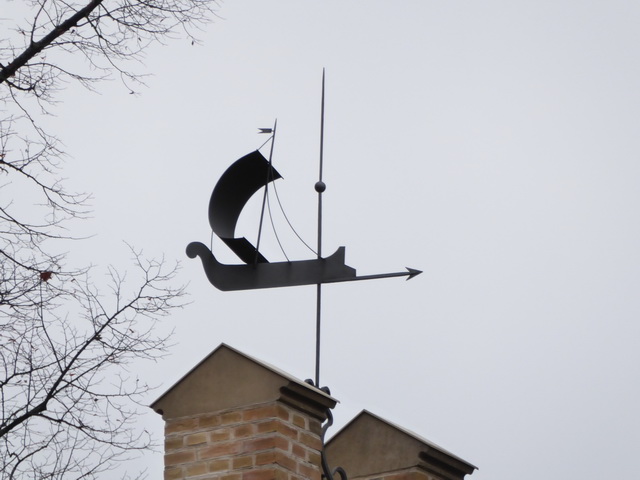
x: 67, y: 397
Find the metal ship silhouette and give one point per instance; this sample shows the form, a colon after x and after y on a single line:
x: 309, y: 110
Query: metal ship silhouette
x: 230, y: 195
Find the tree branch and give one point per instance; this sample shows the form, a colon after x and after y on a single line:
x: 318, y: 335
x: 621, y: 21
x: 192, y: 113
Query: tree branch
x: 36, y: 47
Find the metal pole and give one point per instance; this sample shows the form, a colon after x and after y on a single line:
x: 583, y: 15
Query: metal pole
x: 320, y: 187
x: 264, y: 197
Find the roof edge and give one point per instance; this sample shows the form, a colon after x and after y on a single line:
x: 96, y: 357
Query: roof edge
x: 287, y: 376
x: 429, y: 451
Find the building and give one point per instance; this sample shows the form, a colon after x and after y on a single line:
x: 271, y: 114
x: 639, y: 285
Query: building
x: 233, y: 417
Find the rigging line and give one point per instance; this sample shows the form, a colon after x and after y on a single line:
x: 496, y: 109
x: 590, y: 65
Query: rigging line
x: 264, y: 200
x: 273, y: 227
x: 266, y: 141
x: 289, y: 223
x: 264, y: 197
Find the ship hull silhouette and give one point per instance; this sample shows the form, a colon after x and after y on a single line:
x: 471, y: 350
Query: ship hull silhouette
x: 274, y: 274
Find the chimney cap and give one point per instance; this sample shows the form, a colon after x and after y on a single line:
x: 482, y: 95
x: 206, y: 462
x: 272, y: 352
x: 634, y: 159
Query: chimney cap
x: 228, y: 378
x: 370, y: 445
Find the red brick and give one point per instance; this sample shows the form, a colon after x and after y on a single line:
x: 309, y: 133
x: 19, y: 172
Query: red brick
x: 179, y: 457
x: 173, y: 443
x: 265, y: 474
x: 230, y: 417
x: 232, y: 476
x: 196, y: 469
x: 261, y: 474
x: 315, y: 426
x: 244, y: 461
x: 283, y: 443
x: 243, y: 431
x: 286, y: 461
x: 268, y: 426
x: 298, y: 450
x: 313, y: 458
x: 195, y: 439
x: 219, y: 465
x: 282, y: 412
x: 260, y: 443
x: 184, y: 425
x: 173, y: 473
x: 266, y: 458
x: 208, y: 421
x: 287, y: 431
x: 259, y: 413
x: 299, y: 421
x: 266, y: 443
x: 311, y: 441
x: 309, y: 472
x: 220, y: 435
x: 219, y: 450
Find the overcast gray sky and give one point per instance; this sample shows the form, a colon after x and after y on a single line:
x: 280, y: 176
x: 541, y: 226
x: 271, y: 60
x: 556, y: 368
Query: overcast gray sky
x: 491, y: 143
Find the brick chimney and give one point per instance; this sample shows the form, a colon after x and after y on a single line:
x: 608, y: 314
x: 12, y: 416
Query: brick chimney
x: 370, y: 447
x: 233, y: 417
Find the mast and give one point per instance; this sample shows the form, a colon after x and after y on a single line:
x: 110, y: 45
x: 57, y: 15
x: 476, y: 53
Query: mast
x: 320, y: 187
x: 266, y: 191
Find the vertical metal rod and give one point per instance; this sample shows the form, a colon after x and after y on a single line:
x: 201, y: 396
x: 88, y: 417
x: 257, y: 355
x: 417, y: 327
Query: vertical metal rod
x: 264, y: 197
x: 320, y: 187
x: 318, y: 315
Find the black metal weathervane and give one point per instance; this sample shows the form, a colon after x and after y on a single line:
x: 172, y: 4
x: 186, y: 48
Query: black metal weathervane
x: 234, y: 189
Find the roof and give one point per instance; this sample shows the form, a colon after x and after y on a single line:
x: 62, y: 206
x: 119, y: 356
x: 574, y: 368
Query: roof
x: 228, y: 378
x: 370, y: 445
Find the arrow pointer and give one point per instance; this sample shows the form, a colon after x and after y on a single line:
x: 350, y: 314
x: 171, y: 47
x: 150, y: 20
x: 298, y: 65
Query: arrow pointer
x: 410, y: 273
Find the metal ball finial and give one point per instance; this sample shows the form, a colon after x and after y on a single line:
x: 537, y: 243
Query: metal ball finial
x: 320, y: 186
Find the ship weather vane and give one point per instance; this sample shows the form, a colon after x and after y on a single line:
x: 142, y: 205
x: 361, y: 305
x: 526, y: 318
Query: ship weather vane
x: 234, y: 189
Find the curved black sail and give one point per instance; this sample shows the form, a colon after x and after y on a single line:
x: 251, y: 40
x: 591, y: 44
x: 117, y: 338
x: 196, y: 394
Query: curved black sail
x: 234, y: 189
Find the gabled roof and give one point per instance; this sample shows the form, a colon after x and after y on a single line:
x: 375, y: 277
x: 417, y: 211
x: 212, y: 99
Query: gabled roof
x: 370, y: 445
x: 228, y: 379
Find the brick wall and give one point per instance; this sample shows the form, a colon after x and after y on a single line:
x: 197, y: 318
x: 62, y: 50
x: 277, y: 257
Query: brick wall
x: 272, y: 441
